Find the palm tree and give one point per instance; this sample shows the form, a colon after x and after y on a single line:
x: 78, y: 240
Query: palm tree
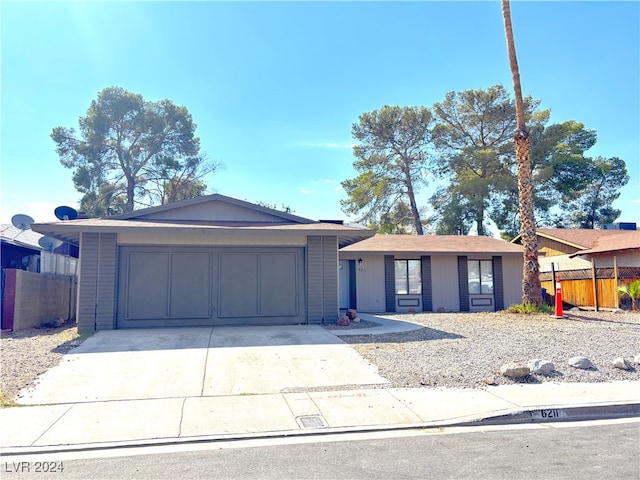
x: 531, y: 289
x: 633, y: 290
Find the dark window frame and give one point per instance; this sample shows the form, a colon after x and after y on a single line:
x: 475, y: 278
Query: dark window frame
x: 481, y: 286
x: 414, y: 269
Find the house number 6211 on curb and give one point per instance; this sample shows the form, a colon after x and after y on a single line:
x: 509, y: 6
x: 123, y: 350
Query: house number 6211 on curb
x: 549, y: 413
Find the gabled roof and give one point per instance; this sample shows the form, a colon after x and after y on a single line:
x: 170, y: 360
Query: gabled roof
x: 579, y: 238
x: 210, y: 206
x: 617, y: 241
x: 445, y: 244
x: 213, y: 214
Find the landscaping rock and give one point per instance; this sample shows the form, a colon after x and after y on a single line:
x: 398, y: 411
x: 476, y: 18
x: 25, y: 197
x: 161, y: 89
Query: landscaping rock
x: 541, y: 367
x: 617, y: 311
x: 622, y: 363
x: 356, y: 320
x: 582, y: 363
x: 343, y: 321
x: 514, y: 370
x: 351, y: 314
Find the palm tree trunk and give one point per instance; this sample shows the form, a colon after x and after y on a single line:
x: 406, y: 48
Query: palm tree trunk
x: 531, y: 289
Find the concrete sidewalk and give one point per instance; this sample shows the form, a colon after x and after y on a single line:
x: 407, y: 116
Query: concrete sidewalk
x: 92, y: 425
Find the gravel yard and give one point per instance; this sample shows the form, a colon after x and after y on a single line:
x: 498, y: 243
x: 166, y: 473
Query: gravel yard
x: 452, y: 350
x: 467, y: 349
x: 25, y: 354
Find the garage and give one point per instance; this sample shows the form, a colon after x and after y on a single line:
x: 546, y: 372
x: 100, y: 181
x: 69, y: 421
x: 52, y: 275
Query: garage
x: 206, y: 261
x: 162, y: 286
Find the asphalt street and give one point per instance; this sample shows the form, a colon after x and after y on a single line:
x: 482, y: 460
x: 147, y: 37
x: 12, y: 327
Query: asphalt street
x: 576, y: 450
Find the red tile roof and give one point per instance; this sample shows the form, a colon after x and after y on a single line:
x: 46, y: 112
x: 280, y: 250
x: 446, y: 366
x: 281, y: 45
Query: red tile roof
x: 432, y: 244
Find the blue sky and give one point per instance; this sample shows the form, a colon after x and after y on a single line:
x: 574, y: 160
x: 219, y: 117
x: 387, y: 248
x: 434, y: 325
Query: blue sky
x: 275, y: 87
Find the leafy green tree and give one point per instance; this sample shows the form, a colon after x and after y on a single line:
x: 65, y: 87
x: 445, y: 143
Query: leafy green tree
x: 594, y: 206
x: 392, y: 163
x: 474, y: 139
x: 454, y: 213
x: 130, y: 152
x: 398, y: 221
x: 557, y: 161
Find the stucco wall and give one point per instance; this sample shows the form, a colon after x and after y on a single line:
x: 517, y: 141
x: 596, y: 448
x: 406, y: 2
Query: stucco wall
x: 444, y: 275
x: 42, y: 297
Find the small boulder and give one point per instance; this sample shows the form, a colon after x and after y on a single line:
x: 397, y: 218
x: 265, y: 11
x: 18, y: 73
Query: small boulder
x: 622, y: 363
x: 343, y: 321
x: 582, y: 363
x: 356, y: 320
x: 541, y: 367
x: 617, y: 311
x: 351, y: 313
x: 514, y: 370
x: 440, y: 310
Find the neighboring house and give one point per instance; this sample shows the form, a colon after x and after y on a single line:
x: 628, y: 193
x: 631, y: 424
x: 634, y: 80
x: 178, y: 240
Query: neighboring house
x: 430, y: 273
x: 584, y: 259
x: 621, y: 245
x: 21, y: 250
x: 557, y: 247
x: 211, y: 260
x: 37, y: 284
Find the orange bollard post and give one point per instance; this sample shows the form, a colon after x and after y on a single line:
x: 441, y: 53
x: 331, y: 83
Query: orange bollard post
x: 559, y: 313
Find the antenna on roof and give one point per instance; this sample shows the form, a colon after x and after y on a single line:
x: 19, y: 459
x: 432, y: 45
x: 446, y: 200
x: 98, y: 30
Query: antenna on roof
x: 49, y: 243
x: 65, y: 213
x: 23, y: 222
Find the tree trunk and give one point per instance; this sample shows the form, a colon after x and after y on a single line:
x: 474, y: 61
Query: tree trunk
x: 480, y: 219
x: 531, y: 288
x: 414, y: 208
x: 130, y: 194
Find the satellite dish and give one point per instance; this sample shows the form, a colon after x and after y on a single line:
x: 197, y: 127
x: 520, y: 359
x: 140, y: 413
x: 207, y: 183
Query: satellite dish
x: 49, y: 243
x: 23, y: 222
x: 65, y: 213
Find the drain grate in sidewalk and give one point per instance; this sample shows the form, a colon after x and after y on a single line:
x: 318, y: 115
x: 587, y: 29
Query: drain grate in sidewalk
x: 311, y: 421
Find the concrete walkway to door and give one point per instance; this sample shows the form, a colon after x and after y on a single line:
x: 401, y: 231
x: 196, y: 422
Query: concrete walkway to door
x: 141, y: 364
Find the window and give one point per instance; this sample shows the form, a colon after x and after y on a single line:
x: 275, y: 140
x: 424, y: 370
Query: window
x: 408, y: 277
x: 480, y: 277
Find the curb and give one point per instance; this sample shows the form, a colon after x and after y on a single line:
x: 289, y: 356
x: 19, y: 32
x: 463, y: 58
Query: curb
x: 562, y: 414
x: 544, y: 415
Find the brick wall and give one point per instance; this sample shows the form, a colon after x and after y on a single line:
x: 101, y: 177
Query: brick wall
x: 42, y: 297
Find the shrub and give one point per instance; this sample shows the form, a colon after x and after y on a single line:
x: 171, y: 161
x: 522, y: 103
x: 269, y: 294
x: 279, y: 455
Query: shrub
x: 530, y: 308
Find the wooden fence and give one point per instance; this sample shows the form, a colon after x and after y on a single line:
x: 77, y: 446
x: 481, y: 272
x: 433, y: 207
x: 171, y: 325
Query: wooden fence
x: 591, y: 288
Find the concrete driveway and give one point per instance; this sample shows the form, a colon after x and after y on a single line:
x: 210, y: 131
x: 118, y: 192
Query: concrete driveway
x: 202, y: 361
